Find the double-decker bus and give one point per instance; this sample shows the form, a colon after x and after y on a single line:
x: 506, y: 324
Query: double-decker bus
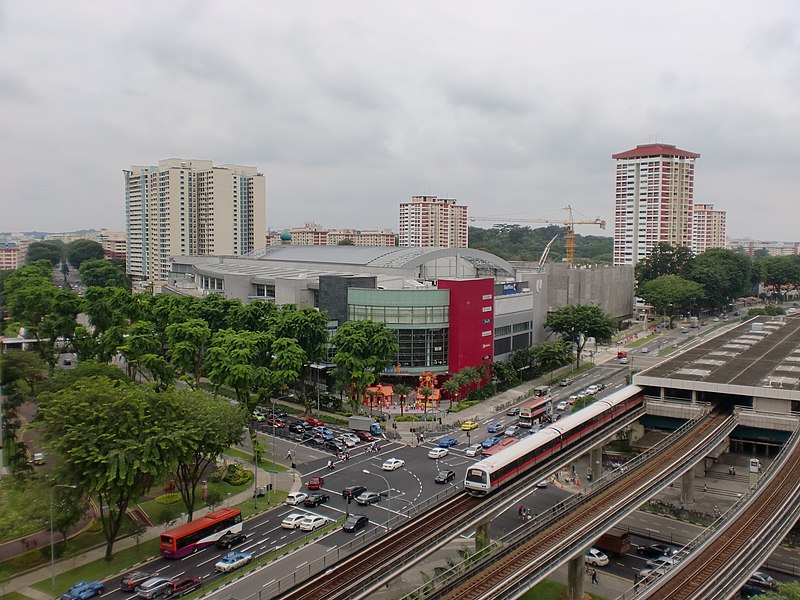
x: 532, y: 412
x: 202, y: 532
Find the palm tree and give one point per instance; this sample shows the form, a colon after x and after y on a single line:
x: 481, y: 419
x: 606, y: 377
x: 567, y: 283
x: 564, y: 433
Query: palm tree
x: 426, y: 393
x: 371, y: 395
x: 402, y: 392
x: 453, y: 388
x: 470, y: 375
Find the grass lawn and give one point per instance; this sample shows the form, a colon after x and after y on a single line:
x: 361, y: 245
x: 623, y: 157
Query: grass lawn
x: 551, y: 590
x: 14, y: 596
x: 267, y: 465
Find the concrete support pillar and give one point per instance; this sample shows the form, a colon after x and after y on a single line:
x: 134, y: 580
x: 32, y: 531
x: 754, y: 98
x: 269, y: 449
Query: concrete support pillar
x: 482, y: 536
x: 663, y: 394
x: 687, y: 487
x: 575, y: 570
x: 596, y: 460
x: 694, y: 396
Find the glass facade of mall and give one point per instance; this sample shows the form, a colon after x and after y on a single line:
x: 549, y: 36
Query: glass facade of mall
x: 419, y: 318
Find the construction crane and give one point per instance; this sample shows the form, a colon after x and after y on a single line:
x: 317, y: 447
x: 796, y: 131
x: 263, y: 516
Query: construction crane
x: 568, y: 224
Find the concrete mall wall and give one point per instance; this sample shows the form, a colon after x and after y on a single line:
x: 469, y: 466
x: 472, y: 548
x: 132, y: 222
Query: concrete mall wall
x: 612, y: 288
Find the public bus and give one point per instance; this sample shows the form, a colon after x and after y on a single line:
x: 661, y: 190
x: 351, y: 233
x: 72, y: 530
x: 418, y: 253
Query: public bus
x: 202, y: 532
x: 532, y: 412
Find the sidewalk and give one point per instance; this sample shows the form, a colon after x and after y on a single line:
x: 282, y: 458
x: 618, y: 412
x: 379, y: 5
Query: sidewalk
x: 284, y: 481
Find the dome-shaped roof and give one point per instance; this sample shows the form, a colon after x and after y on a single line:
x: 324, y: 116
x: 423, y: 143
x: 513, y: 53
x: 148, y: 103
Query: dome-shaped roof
x: 286, y: 236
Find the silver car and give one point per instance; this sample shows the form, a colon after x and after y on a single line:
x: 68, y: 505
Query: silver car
x: 153, y: 588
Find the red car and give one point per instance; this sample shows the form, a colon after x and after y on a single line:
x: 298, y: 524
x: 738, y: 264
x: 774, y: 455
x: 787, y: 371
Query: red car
x: 316, y: 482
x: 314, y: 422
x: 365, y: 436
x: 276, y: 422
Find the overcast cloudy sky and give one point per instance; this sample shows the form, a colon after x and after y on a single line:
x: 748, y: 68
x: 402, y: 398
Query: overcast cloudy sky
x: 352, y: 107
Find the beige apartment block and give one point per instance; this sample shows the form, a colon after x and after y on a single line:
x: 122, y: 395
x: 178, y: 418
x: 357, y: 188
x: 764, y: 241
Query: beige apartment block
x: 432, y: 222
x: 709, y: 228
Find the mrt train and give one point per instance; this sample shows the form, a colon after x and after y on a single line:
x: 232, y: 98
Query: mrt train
x: 493, y: 472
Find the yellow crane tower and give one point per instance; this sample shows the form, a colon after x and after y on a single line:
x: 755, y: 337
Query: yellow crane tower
x: 568, y: 224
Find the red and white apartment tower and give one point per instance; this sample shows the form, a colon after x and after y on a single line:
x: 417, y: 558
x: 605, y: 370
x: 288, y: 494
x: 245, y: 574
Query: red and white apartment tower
x: 654, y: 197
x: 431, y: 222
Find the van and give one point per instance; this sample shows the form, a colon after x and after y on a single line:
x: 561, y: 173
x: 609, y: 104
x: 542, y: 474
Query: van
x: 153, y: 587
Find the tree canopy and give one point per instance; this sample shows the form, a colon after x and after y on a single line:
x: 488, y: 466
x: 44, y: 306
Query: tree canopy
x: 671, y: 294
x: 576, y: 323
x: 103, y: 273
x: 78, y: 251
x: 517, y: 242
x: 51, y: 251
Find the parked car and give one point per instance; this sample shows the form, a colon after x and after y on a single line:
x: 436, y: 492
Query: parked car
x: 367, y: 498
x: 183, y: 584
x: 275, y: 422
x: 346, y: 440
x: 513, y: 412
x: 315, y: 483
x: 130, y: 580
x: 365, y: 436
x: 393, y: 464
x: 152, y: 588
x: 83, y: 590
x: 655, y: 550
x: 565, y: 382
x: 316, y: 499
x: 292, y: 521
x: 511, y: 430
x: 230, y: 539
x: 473, y: 450
x: 469, y: 425
x: 490, y: 441
x: 495, y: 427
x: 297, y: 428
x: 257, y: 416
x: 438, y: 453
x: 352, y: 437
x: 595, y: 557
x: 445, y: 476
x: 312, y: 522
x: 314, y: 422
x: 761, y: 580
x: 355, y: 522
x: 661, y: 561
x: 295, y: 498
x: 232, y: 561
x: 352, y: 491
x: 335, y: 446
x: 447, y: 442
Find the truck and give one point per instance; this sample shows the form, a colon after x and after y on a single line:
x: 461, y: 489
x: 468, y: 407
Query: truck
x: 359, y: 423
x: 615, y: 542
x: 694, y: 322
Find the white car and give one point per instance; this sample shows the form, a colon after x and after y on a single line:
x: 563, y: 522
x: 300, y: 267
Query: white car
x: 292, y: 521
x: 473, y: 450
x: 232, y: 561
x: 562, y: 406
x: 296, y: 498
x: 352, y: 437
x: 438, y: 453
x: 346, y: 440
x: 392, y: 464
x: 511, y: 430
x: 311, y: 522
x: 595, y: 557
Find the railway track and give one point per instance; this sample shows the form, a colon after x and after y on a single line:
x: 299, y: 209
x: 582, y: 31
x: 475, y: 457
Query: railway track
x: 694, y: 577
x: 508, y: 567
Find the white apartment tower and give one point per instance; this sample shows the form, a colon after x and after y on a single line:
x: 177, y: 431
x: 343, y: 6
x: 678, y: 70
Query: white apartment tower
x: 654, y: 196
x: 431, y: 222
x: 184, y: 206
x: 708, y: 228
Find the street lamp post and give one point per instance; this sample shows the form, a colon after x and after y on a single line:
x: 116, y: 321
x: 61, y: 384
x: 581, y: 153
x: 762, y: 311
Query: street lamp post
x: 52, y: 544
x: 388, y: 495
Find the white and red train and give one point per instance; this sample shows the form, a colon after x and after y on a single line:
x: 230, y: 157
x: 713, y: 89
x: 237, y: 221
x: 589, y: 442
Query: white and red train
x: 493, y: 472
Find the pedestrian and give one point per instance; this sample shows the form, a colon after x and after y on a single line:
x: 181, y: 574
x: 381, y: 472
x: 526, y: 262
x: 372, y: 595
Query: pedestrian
x: 594, y: 576
x: 705, y: 488
x: 330, y: 464
x: 521, y: 511
x: 635, y: 582
x: 289, y: 455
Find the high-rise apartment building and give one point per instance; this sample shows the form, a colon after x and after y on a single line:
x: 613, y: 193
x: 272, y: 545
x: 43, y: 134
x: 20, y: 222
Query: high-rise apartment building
x: 428, y: 221
x: 182, y: 207
x: 708, y: 228
x: 654, y: 198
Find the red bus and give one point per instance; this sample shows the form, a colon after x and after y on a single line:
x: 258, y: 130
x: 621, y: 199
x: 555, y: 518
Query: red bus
x: 202, y: 532
x: 533, y: 411
x: 502, y: 444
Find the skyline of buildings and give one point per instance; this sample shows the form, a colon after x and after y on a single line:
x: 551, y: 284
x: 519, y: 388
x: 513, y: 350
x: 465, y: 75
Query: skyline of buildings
x: 191, y: 207
x: 314, y: 234
x: 433, y: 222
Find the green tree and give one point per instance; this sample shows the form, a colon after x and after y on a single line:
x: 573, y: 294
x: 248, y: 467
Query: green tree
x: 402, y: 391
x: 663, y: 259
x: 51, y: 251
x: 253, y: 316
x: 18, y: 367
x: 111, y: 443
x: 785, y: 591
x: 214, y: 310
x: 453, y: 388
x: 723, y: 273
x: 576, y: 323
x: 78, y: 251
x: 139, y: 344
x: 187, y: 343
x: 671, y: 294
x: 106, y: 307
x: 103, y: 273
x: 552, y: 355
x: 65, y: 378
x: 779, y: 272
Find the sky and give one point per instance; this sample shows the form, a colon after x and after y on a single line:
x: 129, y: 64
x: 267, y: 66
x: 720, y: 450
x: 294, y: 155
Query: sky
x: 349, y: 108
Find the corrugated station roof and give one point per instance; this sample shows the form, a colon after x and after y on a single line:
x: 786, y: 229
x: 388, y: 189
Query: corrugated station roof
x: 646, y: 150
x: 762, y: 352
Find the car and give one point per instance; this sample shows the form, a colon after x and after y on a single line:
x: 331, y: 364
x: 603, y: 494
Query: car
x: 703, y: 323
x: 762, y: 581
x: 562, y: 406
x: 593, y: 389
x: 152, y: 588
x: 232, y: 561
x: 496, y: 427
x: 542, y: 483
x: 684, y: 330
x: 83, y: 590
x: 297, y: 428
x: 438, y: 453
x: 655, y: 550
x: 511, y: 430
x: 351, y: 491
x: 365, y: 436
x: 565, y: 382
x: 650, y: 574
x: 469, y: 425
x: 473, y: 450
x: 595, y: 557
x: 314, y: 422
x: 335, y: 446
x: 573, y: 399
x: 490, y: 441
x: 38, y: 458
x: 447, y: 442
x: 257, y: 416
x: 646, y: 350
x: 346, y: 440
x: 315, y: 483
x: 444, y: 476
x: 350, y: 436
x: 513, y: 412
x: 662, y: 561
x: 623, y: 360
x: 355, y: 522
x: 367, y: 498
x: 715, y: 319
x: 295, y: 498
x: 292, y: 521
x: 183, y: 584
x: 392, y: 464
x: 130, y: 580
x: 67, y: 362
x: 316, y: 499
x: 230, y: 539
x: 275, y: 422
